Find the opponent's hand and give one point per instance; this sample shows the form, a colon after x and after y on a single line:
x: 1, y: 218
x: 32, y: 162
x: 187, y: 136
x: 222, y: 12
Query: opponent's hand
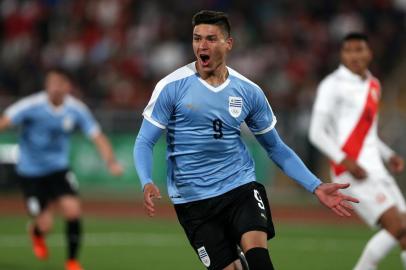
x: 396, y: 164
x: 354, y: 169
x: 115, y: 168
x: 329, y: 195
x: 151, y: 191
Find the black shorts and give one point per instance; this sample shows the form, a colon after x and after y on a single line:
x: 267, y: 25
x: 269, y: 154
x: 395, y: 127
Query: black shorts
x: 40, y: 191
x: 214, y: 226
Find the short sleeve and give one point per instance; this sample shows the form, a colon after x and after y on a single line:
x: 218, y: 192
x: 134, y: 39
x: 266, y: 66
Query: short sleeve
x: 86, y: 121
x: 261, y: 118
x: 18, y: 111
x: 161, y: 104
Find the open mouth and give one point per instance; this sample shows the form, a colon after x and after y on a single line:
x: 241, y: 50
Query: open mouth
x: 204, y: 58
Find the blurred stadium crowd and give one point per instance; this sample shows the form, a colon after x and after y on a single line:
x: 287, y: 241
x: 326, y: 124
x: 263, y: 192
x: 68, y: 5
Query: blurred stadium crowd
x: 119, y: 49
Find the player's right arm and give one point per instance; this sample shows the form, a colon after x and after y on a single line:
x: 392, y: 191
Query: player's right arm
x: 319, y: 132
x: 156, y: 117
x: 143, y: 158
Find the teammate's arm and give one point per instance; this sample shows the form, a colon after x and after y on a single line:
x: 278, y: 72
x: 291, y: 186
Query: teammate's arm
x: 395, y: 162
x: 143, y: 157
x: 286, y: 159
x: 5, y: 122
x: 103, y: 145
x: 320, y: 137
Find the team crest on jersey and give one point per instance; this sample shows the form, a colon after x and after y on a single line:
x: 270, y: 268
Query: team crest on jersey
x: 67, y: 123
x: 204, y: 257
x: 235, y: 106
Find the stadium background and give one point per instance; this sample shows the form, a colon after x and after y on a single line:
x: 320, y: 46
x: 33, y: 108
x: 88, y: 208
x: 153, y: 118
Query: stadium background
x: 119, y: 49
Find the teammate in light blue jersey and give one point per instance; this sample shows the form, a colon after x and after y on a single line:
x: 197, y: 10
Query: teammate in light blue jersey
x: 47, y: 119
x: 211, y: 178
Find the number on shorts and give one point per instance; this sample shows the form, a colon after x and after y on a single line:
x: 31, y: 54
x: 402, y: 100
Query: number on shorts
x: 259, y: 199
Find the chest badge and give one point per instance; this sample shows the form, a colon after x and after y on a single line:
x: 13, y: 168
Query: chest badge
x: 235, y: 106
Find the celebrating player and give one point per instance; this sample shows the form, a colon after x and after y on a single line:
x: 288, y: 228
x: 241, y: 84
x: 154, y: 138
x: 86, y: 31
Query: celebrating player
x: 344, y: 127
x: 47, y: 119
x: 211, y: 178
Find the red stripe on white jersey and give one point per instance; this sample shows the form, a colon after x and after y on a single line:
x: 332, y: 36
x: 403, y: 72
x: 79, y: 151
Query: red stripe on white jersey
x: 355, y: 141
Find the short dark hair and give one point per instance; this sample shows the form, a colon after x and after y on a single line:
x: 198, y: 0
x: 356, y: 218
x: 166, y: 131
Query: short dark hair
x: 355, y: 36
x: 212, y: 17
x: 61, y: 71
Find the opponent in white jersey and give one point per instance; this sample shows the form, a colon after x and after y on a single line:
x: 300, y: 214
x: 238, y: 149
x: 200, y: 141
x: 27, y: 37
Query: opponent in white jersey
x: 47, y: 120
x: 344, y: 128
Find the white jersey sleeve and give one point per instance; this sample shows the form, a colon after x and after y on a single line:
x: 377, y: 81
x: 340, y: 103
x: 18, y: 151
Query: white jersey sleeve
x: 320, y: 128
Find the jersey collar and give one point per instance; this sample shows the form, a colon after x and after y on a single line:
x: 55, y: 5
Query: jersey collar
x: 347, y: 73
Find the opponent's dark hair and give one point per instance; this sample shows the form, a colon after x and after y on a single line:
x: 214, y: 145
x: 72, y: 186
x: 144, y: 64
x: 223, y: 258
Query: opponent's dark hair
x: 213, y: 17
x: 355, y: 36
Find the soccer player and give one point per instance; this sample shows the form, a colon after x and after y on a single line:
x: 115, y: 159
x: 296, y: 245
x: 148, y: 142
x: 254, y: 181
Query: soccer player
x: 211, y: 178
x: 344, y: 127
x: 47, y: 119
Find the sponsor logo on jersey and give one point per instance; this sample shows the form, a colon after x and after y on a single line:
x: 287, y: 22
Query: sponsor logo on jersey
x: 235, y: 106
x: 204, y: 257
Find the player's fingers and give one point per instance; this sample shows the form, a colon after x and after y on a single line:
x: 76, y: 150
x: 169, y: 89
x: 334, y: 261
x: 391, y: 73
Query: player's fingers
x: 149, y: 209
x: 157, y: 193
x: 343, y: 211
x: 343, y: 186
x: 346, y: 205
x: 336, y: 211
x: 349, y: 198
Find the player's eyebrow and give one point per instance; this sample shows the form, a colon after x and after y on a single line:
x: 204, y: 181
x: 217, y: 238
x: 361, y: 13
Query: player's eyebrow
x: 208, y: 36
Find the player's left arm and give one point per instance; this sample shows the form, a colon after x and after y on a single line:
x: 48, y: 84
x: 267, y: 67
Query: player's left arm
x: 105, y: 150
x: 395, y: 162
x: 91, y: 128
x: 286, y: 159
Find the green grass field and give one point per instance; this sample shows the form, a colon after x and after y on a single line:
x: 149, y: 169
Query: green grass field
x: 160, y: 244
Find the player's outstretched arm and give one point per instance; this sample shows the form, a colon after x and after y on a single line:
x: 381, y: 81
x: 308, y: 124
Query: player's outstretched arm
x: 291, y: 165
x: 330, y: 196
x: 143, y: 157
x: 103, y: 145
x: 5, y: 122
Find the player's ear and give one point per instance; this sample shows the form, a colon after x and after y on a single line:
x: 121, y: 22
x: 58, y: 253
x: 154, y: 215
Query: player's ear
x: 229, y: 42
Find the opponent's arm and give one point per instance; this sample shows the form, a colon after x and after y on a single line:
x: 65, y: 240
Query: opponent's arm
x: 286, y: 159
x: 143, y: 157
x: 395, y: 162
x: 106, y: 152
x: 319, y: 136
x: 5, y: 122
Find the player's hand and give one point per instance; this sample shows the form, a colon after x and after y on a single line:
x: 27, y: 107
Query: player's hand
x: 115, y: 168
x: 396, y: 164
x: 329, y: 195
x: 355, y: 170
x: 151, y: 191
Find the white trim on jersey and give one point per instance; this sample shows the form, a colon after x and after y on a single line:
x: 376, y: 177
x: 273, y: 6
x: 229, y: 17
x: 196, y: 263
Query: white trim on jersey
x: 215, y: 89
x: 268, y: 128
x: 178, y: 74
x: 155, y: 123
x: 25, y: 103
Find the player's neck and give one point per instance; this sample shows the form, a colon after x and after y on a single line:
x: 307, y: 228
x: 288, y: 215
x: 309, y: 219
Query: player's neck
x: 55, y: 102
x: 215, y: 77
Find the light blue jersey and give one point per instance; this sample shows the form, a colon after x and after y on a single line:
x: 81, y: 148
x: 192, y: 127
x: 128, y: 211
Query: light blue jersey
x: 45, y: 131
x: 206, y: 156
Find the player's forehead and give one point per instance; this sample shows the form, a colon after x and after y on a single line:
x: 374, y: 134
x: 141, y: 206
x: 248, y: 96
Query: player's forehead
x: 355, y: 44
x: 207, y: 30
